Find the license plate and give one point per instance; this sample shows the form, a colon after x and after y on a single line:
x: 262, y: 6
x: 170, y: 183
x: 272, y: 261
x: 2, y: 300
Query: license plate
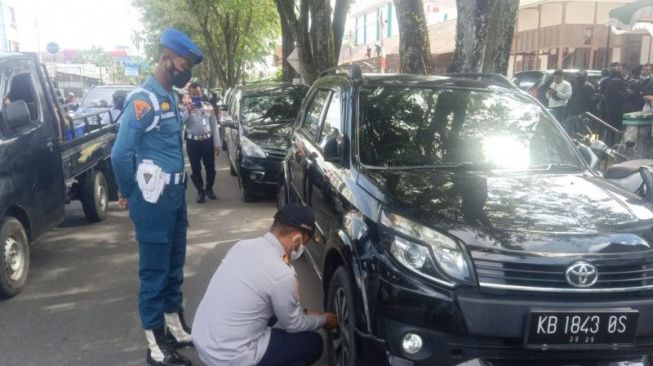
x: 581, y: 329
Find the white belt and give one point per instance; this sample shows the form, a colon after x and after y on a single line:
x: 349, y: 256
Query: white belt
x: 175, y: 178
x: 203, y: 137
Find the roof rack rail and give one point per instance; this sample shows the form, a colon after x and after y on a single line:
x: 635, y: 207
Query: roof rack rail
x: 494, y: 78
x: 353, y: 71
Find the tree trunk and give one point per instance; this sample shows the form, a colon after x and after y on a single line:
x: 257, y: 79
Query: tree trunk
x: 414, y: 46
x: 322, y: 35
x: 500, y: 35
x: 339, y: 20
x: 484, y: 33
x: 287, y: 37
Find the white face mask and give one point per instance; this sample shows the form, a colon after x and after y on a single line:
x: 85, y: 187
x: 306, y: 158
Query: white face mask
x: 296, y: 253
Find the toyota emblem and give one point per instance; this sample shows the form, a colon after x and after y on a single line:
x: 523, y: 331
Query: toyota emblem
x: 582, y: 274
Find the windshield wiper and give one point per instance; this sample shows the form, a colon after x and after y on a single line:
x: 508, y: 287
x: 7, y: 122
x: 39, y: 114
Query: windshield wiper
x: 555, y: 166
x: 464, y: 165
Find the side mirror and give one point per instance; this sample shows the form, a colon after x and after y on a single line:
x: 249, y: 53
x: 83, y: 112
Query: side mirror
x: 333, y: 151
x: 228, y: 123
x: 17, y: 114
x: 590, y: 158
x: 647, y: 177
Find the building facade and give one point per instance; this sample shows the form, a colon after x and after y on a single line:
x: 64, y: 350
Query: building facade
x: 8, y: 27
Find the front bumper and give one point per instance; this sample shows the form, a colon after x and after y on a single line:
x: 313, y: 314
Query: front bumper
x: 467, y: 324
x: 259, y: 175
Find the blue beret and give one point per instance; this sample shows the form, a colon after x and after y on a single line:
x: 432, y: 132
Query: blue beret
x: 181, y: 44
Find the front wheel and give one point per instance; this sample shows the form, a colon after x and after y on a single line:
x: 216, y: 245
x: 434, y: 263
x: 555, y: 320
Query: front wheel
x: 95, y: 197
x: 14, y: 257
x: 340, y: 343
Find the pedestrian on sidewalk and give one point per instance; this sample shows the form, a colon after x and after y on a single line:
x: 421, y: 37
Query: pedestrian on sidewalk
x: 148, y: 163
x: 202, y: 142
x: 582, y: 100
x: 254, y: 287
x: 558, y: 94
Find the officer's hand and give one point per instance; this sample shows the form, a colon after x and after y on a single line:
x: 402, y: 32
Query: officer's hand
x: 331, y: 322
x: 123, y: 203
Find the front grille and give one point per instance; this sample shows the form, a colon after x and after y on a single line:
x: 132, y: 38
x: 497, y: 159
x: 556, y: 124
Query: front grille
x: 529, y: 272
x: 279, y: 154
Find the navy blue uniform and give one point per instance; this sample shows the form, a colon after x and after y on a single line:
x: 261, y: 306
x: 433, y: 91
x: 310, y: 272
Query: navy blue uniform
x: 160, y: 227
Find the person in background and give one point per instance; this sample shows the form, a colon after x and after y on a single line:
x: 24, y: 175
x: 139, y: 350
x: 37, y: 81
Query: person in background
x: 115, y: 112
x: 581, y: 101
x: 202, y: 143
x: 558, y: 95
x: 615, y: 92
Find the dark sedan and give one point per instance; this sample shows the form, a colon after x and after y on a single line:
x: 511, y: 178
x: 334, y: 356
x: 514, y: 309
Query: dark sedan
x: 258, y: 135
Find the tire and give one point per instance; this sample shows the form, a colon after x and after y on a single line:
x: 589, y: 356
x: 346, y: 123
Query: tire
x: 248, y: 197
x: 15, y: 267
x: 95, y: 196
x: 341, y: 348
x: 232, y: 171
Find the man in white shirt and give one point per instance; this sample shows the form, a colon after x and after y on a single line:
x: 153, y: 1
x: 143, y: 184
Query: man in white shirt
x: 254, y: 286
x: 558, y: 95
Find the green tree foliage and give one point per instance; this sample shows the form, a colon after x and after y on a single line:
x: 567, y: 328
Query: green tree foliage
x: 233, y: 34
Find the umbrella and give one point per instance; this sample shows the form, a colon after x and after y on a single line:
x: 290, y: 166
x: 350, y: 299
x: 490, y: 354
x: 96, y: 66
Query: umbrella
x: 627, y: 16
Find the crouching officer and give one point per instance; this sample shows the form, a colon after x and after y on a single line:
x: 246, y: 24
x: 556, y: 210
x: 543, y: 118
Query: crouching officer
x: 254, y: 284
x: 148, y: 163
x: 202, y: 143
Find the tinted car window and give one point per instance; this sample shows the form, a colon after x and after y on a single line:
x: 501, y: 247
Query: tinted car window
x: 271, y: 107
x: 425, y: 126
x: 525, y: 80
x: 331, y: 137
x: 99, y: 97
x: 311, y: 122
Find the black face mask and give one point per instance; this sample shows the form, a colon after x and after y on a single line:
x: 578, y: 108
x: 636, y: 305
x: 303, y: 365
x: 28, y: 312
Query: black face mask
x: 179, y: 78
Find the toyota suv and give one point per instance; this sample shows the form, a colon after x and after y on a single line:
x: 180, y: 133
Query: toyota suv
x: 457, y: 223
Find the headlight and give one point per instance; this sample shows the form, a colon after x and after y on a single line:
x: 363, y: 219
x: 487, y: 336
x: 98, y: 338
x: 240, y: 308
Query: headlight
x: 251, y: 149
x: 425, y: 250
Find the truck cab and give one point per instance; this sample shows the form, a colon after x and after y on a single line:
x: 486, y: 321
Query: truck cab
x: 40, y: 168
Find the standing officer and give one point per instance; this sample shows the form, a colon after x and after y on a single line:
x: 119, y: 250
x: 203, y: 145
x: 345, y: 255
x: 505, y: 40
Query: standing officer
x: 149, y: 166
x: 255, y: 286
x: 202, y: 143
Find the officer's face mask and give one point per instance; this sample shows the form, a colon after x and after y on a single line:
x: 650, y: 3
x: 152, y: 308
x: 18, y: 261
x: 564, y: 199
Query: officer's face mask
x: 297, y: 252
x: 178, y: 78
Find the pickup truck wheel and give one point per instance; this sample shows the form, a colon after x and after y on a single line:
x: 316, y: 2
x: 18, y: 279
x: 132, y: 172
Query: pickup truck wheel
x: 341, y: 348
x: 14, y: 257
x: 95, y: 197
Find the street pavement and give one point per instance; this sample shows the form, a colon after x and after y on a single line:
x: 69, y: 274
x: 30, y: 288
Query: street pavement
x: 79, y: 306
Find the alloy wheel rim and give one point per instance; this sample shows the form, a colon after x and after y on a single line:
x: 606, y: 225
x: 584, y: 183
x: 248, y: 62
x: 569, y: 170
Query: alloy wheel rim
x: 341, y: 341
x: 102, y: 196
x: 14, y: 258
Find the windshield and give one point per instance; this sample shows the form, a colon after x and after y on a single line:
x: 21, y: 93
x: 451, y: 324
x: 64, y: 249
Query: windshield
x: 280, y: 105
x: 99, y: 97
x: 411, y: 127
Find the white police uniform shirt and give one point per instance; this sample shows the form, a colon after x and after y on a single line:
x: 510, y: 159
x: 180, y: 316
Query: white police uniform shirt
x: 252, y: 284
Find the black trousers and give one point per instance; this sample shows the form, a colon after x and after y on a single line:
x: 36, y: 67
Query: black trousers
x: 292, y: 349
x: 201, y: 152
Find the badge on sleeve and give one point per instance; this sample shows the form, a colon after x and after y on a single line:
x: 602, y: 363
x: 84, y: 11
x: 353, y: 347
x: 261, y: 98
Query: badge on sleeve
x: 141, y: 108
x: 165, y: 106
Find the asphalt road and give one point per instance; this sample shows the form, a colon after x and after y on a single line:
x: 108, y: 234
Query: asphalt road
x: 79, y: 306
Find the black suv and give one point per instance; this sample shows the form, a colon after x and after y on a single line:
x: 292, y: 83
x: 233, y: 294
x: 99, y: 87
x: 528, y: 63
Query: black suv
x: 456, y: 221
x: 257, y: 133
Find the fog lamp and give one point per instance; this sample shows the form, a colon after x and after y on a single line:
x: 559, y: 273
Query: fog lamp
x: 257, y: 176
x: 411, y: 343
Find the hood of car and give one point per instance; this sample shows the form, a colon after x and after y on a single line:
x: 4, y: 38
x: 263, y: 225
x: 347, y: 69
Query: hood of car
x: 533, y: 212
x: 275, y: 136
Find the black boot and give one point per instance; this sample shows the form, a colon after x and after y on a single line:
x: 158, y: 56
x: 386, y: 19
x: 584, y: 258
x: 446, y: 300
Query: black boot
x: 160, y: 353
x: 178, y: 332
x: 210, y: 194
x: 201, y: 197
